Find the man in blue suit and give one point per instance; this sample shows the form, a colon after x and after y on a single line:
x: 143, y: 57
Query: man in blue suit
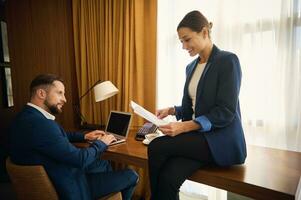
x: 36, y: 139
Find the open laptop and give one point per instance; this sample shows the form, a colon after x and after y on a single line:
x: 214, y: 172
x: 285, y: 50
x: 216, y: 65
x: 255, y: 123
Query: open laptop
x: 119, y: 124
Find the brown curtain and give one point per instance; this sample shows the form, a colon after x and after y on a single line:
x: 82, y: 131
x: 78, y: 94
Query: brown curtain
x: 115, y: 40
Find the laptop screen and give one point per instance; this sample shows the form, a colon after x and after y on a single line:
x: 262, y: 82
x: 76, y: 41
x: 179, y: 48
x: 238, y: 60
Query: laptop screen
x: 119, y: 123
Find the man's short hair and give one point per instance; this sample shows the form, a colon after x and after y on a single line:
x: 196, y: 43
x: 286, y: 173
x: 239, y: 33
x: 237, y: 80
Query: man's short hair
x: 43, y: 81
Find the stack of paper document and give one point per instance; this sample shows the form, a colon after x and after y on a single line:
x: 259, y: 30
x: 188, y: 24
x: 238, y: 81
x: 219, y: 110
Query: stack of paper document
x: 139, y: 110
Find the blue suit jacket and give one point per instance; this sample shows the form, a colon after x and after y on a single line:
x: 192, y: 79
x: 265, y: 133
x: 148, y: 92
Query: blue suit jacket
x: 217, y: 106
x: 36, y: 140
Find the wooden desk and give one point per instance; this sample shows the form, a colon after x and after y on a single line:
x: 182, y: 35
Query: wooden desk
x: 267, y: 173
x: 132, y: 152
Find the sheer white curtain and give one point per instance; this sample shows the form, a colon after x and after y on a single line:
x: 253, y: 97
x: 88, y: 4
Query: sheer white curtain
x: 266, y: 36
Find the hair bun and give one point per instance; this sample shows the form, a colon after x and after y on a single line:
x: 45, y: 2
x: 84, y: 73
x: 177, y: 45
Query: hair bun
x: 210, y: 25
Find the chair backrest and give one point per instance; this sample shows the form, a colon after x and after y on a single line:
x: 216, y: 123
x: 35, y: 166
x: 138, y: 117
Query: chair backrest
x: 30, y: 182
x: 112, y: 196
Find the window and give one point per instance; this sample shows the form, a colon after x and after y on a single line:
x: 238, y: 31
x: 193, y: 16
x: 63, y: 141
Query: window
x: 266, y: 36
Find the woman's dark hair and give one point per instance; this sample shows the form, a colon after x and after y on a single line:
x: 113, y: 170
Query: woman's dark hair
x: 43, y: 81
x: 196, y: 21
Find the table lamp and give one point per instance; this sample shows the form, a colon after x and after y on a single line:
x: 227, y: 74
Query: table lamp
x: 102, y: 90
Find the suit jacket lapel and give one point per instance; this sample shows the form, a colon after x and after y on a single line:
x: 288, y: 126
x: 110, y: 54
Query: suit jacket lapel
x: 199, y: 91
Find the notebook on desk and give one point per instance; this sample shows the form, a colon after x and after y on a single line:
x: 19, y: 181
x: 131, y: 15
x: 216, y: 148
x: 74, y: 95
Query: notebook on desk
x: 118, y: 125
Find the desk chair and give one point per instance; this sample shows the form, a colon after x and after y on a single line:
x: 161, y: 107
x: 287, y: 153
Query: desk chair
x: 32, y: 182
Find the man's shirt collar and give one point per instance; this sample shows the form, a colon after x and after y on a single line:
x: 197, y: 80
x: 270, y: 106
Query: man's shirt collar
x: 44, y: 112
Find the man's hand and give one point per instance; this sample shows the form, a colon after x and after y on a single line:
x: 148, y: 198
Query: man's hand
x: 107, y: 138
x: 175, y: 128
x: 94, y: 135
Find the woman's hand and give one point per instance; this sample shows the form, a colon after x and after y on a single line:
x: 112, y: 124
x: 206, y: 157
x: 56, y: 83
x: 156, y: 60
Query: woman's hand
x: 161, y: 113
x: 175, y: 128
x: 94, y: 135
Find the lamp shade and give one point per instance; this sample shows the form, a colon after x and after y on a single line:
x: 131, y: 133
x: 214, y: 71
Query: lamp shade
x: 104, y: 90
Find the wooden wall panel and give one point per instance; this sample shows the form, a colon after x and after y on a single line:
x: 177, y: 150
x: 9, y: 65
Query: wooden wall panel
x: 41, y: 41
x: 6, y: 113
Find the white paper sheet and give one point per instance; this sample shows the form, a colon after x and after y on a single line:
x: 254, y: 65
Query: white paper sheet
x: 139, y: 110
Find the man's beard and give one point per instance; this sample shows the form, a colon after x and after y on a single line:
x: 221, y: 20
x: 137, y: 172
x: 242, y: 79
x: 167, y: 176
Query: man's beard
x: 54, y: 110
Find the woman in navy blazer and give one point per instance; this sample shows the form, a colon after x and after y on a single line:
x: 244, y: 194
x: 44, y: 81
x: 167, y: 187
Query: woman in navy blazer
x: 209, y: 130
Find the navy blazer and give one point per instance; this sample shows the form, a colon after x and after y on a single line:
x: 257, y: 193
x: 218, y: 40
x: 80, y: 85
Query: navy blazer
x: 217, y: 106
x: 36, y: 140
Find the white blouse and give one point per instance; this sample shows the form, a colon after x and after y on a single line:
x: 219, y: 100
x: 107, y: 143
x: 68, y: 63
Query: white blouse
x: 192, y: 88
